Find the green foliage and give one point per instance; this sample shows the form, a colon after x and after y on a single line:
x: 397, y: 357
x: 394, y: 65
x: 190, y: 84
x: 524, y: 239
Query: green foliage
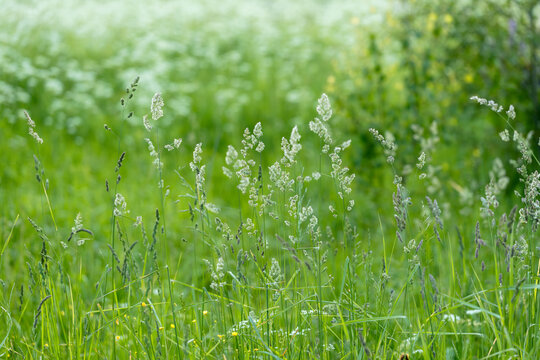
x: 222, y: 212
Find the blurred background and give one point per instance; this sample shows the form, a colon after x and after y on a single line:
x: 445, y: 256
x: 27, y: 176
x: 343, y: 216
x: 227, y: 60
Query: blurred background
x: 407, y: 68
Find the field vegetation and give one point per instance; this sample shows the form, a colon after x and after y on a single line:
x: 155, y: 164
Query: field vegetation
x: 269, y: 180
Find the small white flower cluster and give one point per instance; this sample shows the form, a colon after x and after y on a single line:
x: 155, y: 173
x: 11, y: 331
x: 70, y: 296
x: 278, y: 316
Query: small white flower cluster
x: 146, y: 123
x: 138, y: 221
x: 32, y: 128
x: 120, y: 205
x: 275, y: 274
x: 305, y: 213
x: 245, y: 324
x: 249, y: 227
x: 212, y: 208
x: 497, y: 183
x: 511, y: 113
x: 312, y: 312
x: 530, y: 213
x: 243, y: 164
x: 317, y: 126
x: 451, y: 318
x: 200, y: 172
x: 283, y: 334
x: 339, y: 173
x: 522, y: 144
x: 299, y: 332
x: 153, y: 153
x: 224, y: 229
x: 329, y: 347
x: 157, y: 106
x: 280, y: 177
x: 421, y: 161
x: 411, y: 249
x: 292, y: 206
x: 175, y: 144
x: 427, y: 146
x: 290, y: 147
x: 387, y: 143
x: 194, y: 165
x: 217, y: 274
x: 324, y: 109
x: 78, y: 224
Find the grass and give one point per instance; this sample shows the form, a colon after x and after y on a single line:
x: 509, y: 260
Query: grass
x: 270, y: 281
x: 214, y: 230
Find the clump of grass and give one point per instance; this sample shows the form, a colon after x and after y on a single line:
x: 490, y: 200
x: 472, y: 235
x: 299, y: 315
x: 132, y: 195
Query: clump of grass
x: 284, y: 272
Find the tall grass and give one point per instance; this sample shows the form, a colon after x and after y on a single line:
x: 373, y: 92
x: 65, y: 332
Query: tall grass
x: 282, y: 272
x: 230, y: 215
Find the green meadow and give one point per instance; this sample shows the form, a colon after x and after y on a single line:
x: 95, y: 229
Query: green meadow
x: 269, y: 179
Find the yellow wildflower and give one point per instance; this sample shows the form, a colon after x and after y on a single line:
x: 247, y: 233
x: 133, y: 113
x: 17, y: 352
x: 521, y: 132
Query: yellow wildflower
x: 448, y: 18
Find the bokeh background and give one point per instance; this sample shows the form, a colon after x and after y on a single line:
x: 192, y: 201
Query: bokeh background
x: 407, y: 68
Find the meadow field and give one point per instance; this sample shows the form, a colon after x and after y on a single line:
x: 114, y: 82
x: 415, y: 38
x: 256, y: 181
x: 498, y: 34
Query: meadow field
x: 269, y: 179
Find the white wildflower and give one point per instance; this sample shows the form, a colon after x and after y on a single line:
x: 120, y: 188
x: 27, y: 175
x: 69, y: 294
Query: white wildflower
x: 324, y: 109
x: 138, y: 221
x: 511, y: 112
x: 326, y: 148
x: 228, y: 173
x: 146, y: 123
x: 120, y: 205
x: 175, y: 145
x: 78, y: 224
x: 313, y: 221
x: 451, y: 317
x: 156, y: 107
x: 387, y: 143
x: 421, y: 160
x: 275, y: 272
x: 291, y: 147
x: 217, y: 274
x: 153, y: 153
x: 31, y: 129
x: 257, y: 130
x: 196, y: 157
x: 260, y: 147
x: 494, y: 106
x: 212, y: 208
x: 231, y: 156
